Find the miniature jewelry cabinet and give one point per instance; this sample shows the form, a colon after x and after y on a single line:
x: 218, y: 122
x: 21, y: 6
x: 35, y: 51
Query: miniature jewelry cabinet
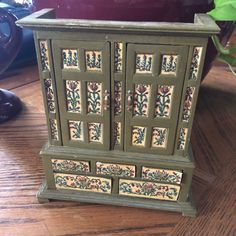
x: 119, y: 100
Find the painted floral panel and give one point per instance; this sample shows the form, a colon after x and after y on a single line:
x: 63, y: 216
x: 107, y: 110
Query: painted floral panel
x: 70, y: 59
x: 117, y: 97
x: 76, y: 130
x: 182, y: 138
x: 118, y: 56
x: 188, y: 103
x: 164, y: 101
x: 73, y: 96
x: 54, y: 129
x: 141, y: 99
x: 95, y: 132
x: 82, y: 183
x: 115, y: 169
x: 138, y: 135
x: 70, y: 165
x: 49, y: 95
x: 149, y: 190
x: 162, y: 175
x: 159, y: 137
x: 144, y: 63
x: 94, y: 97
x: 117, y: 133
x: 44, y: 55
x: 195, y: 64
x: 169, y: 64
x: 93, y: 60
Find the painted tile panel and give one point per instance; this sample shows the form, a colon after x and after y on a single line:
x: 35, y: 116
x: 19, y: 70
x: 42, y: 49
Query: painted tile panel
x: 138, y: 135
x: 182, y: 138
x: 195, y: 64
x: 70, y: 59
x: 94, y: 97
x: 76, y: 130
x: 144, y: 63
x: 53, y: 129
x: 44, y: 55
x: 117, y: 97
x: 82, y: 183
x: 115, y: 169
x: 118, y: 47
x: 149, y: 190
x: 70, y: 165
x: 93, y: 60
x: 159, y: 137
x: 188, y: 103
x: 73, y: 96
x: 164, y: 101
x: 117, y: 133
x: 169, y: 64
x: 49, y: 95
x: 141, y: 99
x: 95, y: 132
x: 162, y: 175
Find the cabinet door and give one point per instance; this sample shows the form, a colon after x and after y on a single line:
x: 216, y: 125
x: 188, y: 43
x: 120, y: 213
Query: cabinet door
x: 154, y: 80
x: 83, y: 81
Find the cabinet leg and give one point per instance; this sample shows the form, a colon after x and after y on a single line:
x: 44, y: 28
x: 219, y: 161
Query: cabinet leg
x: 43, y: 200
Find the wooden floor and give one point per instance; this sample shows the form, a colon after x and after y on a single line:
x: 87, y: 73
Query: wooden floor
x: 214, y: 182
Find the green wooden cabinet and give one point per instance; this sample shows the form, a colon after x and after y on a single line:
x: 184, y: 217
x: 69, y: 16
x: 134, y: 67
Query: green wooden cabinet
x: 119, y: 100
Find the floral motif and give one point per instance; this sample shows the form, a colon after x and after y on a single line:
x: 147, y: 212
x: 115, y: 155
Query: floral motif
x: 169, y: 64
x: 94, y: 60
x: 70, y: 58
x: 76, y: 130
x: 115, y: 169
x: 95, y: 132
x: 188, y: 103
x: 182, y: 138
x: 49, y: 95
x: 163, y: 101
x: 138, y: 136
x: 149, y: 190
x: 117, y: 97
x: 161, y: 175
x: 118, y: 56
x: 44, y: 55
x: 73, y: 96
x: 141, y: 97
x: 144, y: 63
x: 159, y: 137
x: 194, y: 67
x: 53, y: 128
x: 70, y: 165
x: 94, y: 97
x: 117, y: 133
x: 82, y: 183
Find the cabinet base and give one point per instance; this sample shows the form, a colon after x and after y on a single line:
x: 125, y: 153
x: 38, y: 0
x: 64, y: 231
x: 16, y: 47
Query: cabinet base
x: 187, y: 208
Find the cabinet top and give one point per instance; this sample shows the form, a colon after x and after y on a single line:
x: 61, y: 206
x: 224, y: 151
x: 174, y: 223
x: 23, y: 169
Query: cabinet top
x: 45, y: 19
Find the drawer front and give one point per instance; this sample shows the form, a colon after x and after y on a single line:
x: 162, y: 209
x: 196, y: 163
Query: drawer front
x: 162, y: 175
x: 82, y: 183
x: 115, y: 169
x: 70, y: 165
x: 149, y: 190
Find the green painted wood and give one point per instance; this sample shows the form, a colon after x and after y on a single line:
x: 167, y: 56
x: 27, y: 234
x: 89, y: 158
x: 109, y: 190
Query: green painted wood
x: 83, y: 76
x: 137, y: 37
x: 154, y: 79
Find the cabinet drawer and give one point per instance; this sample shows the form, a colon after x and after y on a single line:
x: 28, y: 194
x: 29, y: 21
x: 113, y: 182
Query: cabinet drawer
x: 115, y: 169
x: 162, y: 175
x: 70, y: 165
x: 82, y: 183
x: 149, y: 190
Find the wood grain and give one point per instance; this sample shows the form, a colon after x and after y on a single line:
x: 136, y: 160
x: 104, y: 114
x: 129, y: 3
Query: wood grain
x: 214, y: 182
